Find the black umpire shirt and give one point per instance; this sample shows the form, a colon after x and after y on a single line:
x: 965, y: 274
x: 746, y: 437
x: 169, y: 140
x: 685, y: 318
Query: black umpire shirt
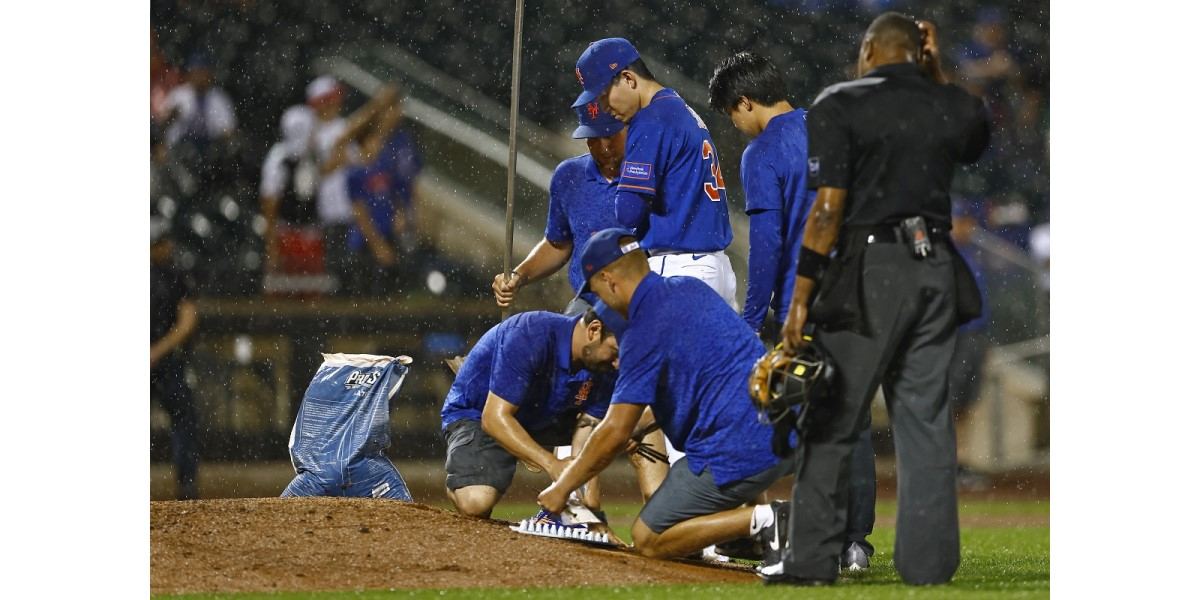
x: 891, y: 140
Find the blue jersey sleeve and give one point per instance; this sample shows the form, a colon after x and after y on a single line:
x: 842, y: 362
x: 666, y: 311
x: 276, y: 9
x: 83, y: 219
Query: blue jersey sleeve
x: 637, y: 380
x: 558, y: 226
x: 761, y: 182
x: 764, y: 204
x: 641, y: 172
x: 766, y: 252
x: 514, y: 366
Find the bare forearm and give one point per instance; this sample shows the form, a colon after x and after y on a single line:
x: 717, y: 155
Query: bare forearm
x: 587, y: 425
x: 512, y: 437
x: 366, y: 225
x: 185, y: 325
x: 545, y: 259
x: 604, y: 444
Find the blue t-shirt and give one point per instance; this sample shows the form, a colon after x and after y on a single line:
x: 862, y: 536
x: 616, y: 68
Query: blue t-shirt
x: 526, y: 360
x: 581, y: 203
x: 688, y: 355
x: 775, y: 178
x: 670, y: 156
x: 384, y: 185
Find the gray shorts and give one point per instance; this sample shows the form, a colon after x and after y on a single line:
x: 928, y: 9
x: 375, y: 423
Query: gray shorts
x: 684, y: 496
x: 475, y: 458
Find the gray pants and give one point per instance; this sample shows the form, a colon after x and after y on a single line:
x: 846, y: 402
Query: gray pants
x: 909, y: 310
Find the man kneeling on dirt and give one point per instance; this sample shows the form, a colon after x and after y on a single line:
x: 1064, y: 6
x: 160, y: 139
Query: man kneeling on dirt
x: 688, y: 356
x: 518, y: 394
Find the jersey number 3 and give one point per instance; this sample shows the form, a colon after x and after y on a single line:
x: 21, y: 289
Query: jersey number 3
x: 713, y: 188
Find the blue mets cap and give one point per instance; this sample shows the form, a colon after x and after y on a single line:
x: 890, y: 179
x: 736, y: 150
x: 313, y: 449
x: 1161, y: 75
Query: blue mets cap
x: 595, y: 123
x: 612, y: 321
x: 601, y: 250
x: 599, y: 64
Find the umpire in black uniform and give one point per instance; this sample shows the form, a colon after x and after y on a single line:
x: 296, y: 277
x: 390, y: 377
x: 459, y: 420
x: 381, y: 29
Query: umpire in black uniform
x: 882, y: 152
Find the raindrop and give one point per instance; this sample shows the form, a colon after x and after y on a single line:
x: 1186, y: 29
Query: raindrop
x: 259, y: 225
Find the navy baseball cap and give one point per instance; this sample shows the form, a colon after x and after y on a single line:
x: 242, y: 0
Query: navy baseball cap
x: 595, y: 123
x: 612, y: 321
x: 601, y: 250
x: 599, y: 64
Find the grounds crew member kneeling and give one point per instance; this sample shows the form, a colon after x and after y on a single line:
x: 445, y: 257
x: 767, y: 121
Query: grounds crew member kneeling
x: 882, y: 152
x: 687, y: 355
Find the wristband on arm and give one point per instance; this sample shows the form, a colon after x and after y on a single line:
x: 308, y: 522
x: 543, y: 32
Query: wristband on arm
x: 811, y: 264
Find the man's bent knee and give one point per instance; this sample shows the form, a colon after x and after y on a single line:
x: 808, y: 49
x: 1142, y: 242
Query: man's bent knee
x: 645, y: 541
x: 475, y: 500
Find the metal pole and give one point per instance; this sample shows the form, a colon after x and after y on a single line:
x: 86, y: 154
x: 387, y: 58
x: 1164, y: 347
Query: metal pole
x: 512, y: 141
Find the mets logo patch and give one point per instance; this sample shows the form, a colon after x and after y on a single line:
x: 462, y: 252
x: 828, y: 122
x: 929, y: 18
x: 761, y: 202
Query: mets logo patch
x: 582, y: 395
x: 593, y: 110
x: 636, y: 170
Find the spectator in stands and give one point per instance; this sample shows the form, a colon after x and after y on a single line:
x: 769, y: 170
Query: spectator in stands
x: 163, y: 78
x: 173, y: 320
x: 381, y: 193
x: 198, y: 111
x: 290, y: 175
x: 336, y: 142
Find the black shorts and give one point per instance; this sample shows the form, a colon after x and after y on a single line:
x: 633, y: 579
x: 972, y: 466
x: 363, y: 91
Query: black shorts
x: 475, y: 458
x: 684, y: 496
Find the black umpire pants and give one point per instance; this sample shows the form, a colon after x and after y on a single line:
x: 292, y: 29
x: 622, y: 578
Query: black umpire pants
x: 909, y: 312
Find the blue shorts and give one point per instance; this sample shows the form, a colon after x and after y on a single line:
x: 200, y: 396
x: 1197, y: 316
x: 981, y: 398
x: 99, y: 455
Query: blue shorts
x: 372, y: 477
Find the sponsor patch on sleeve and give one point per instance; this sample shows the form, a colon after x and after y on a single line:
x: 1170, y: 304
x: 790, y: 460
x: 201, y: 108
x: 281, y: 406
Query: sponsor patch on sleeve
x: 636, y: 170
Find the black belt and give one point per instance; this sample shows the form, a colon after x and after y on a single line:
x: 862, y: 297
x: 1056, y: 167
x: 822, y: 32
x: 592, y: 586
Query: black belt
x: 891, y: 234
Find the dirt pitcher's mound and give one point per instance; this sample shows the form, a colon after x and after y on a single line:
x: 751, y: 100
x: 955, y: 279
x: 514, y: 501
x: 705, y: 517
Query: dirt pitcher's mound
x: 265, y: 544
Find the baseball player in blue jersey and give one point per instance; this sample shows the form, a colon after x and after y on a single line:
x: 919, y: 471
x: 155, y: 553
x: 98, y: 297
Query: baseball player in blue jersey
x: 671, y: 191
x: 582, y: 193
x: 774, y: 173
x: 520, y: 389
x: 693, y: 378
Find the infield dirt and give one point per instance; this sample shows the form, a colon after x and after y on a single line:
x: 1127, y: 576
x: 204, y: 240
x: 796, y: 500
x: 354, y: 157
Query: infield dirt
x: 308, y: 544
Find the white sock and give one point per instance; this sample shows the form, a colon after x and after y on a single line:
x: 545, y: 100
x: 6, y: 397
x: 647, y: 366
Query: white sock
x: 762, y: 516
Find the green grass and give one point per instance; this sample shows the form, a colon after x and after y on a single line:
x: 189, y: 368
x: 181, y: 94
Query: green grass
x: 997, y: 562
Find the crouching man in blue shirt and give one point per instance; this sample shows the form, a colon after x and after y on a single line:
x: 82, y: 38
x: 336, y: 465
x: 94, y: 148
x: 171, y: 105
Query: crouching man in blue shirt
x: 518, y: 394
x: 687, y: 355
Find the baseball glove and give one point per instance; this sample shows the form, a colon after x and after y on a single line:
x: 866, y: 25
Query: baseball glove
x: 780, y: 381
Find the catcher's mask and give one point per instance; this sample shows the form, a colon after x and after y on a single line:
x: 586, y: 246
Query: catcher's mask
x: 779, y: 382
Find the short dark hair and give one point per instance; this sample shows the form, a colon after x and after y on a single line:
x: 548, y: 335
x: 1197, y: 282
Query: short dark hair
x: 590, y: 316
x: 896, y: 30
x: 745, y: 74
x: 638, y: 67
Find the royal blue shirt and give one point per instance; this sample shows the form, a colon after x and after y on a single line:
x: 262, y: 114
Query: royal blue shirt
x: 384, y: 185
x: 526, y: 360
x: 581, y: 203
x: 775, y: 178
x: 688, y: 355
x: 670, y: 158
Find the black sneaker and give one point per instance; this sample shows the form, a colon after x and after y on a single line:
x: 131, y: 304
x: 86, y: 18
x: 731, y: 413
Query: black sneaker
x: 773, y: 539
x: 774, y: 575
x: 747, y: 548
x: 855, y: 558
